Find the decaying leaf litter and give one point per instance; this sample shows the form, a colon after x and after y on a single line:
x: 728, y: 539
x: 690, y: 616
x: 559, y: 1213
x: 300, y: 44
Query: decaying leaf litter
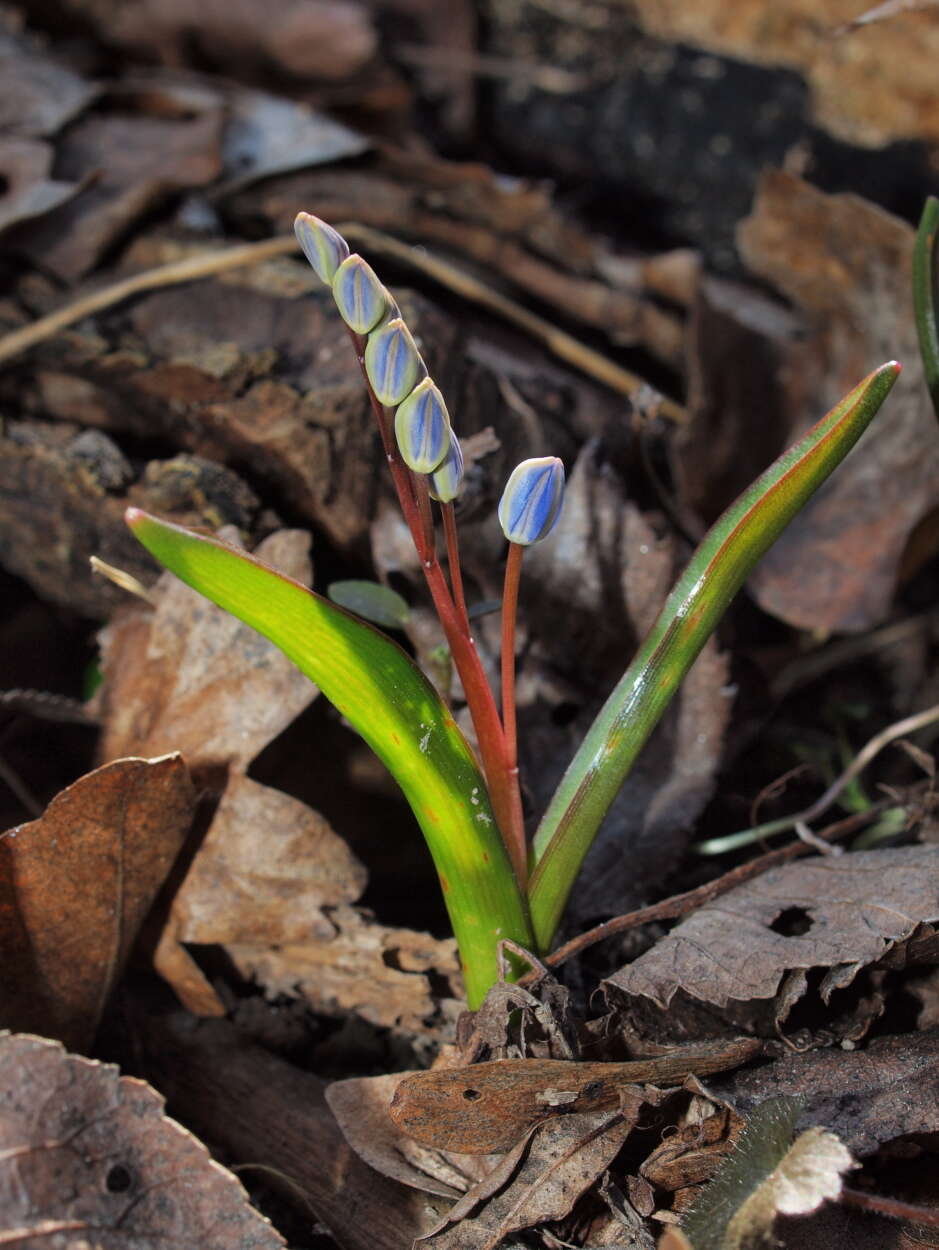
x: 207, y: 817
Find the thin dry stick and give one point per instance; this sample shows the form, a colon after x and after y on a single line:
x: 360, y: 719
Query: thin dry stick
x: 892, y: 1208
x: 207, y: 265
x: 731, y: 841
x: 681, y: 904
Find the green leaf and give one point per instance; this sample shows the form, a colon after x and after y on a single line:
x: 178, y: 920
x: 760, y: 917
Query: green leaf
x: 376, y: 603
x: 387, y: 699
x: 715, y: 574
x: 924, y: 296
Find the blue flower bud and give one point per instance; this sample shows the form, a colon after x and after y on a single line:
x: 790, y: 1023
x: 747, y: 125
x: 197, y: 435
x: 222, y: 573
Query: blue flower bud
x: 445, y: 481
x: 361, y: 299
x: 531, y: 501
x: 392, y: 362
x: 324, y: 247
x: 422, y: 428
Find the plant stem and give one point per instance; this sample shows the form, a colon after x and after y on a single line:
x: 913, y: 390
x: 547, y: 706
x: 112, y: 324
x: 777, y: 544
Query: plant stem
x: 501, y: 775
x: 518, y: 847
x: 453, y: 560
x: 513, y: 569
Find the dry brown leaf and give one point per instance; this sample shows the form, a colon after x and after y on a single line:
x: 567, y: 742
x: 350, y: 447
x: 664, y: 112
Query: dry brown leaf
x: 846, y: 265
x: 265, y: 870
x: 37, y: 94
x: 360, y: 1106
x: 857, y: 907
x: 183, y: 675
x: 261, y: 877
x: 868, y: 1097
x: 562, y: 1160
x: 26, y: 189
x: 75, y: 886
x: 165, y: 139
x: 327, y: 39
x: 388, y: 976
x: 88, y: 1158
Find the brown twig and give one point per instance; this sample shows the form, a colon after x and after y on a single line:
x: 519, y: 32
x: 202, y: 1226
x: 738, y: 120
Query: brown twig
x: 681, y: 904
x: 892, y: 1208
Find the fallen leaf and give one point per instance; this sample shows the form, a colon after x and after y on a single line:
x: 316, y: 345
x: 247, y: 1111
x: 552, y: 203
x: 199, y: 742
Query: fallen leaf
x: 268, y: 135
x: 262, y: 875
x: 183, y: 675
x: 329, y: 39
x: 396, y: 978
x: 766, y: 1175
x: 75, y: 887
x: 145, y: 147
x: 37, y: 94
x: 868, y: 1097
x: 853, y: 909
x: 264, y: 872
x: 360, y: 1106
x: 562, y: 1160
x: 63, y: 493
x: 846, y: 265
x: 88, y: 1157
x: 26, y: 189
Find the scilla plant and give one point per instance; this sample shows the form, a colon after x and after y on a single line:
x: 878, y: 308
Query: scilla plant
x: 497, y: 883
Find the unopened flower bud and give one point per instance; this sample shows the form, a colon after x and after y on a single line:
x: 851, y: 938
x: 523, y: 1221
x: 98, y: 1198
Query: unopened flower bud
x: 361, y: 299
x: 392, y: 362
x: 446, y: 480
x: 531, y: 501
x: 324, y: 247
x: 422, y: 428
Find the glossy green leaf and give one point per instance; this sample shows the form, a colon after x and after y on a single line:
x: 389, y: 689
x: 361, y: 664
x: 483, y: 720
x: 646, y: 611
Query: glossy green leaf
x: 924, y: 296
x: 387, y: 699
x: 376, y: 603
x: 715, y: 574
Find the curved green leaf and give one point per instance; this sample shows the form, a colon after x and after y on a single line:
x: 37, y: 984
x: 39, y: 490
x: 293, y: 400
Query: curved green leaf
x: 715, y: 574
x: 924, y: 296
x: 373, y: 602
x: 387, y: 699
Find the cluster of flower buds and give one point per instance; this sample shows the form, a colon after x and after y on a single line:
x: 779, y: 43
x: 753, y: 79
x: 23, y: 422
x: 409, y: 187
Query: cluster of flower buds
x: 399, y: 379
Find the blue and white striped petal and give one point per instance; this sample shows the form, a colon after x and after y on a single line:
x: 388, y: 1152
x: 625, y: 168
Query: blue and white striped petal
x: 324, y: 247
x: 422, y: 428
x: 531, y: 501
x: 360, y: 297
x: 392, y: 362
x: 445, y: 481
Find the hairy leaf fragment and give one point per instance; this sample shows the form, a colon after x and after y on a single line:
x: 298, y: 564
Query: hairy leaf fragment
x: 856, y: 907
x: 87, y: 1157
x: 766, y: 1175
x: 75, y: 887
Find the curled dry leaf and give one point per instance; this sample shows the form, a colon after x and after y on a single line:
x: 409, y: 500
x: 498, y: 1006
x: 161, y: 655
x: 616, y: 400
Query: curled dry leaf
x: 26, y: 188
x: 184, y: 675
x: 88, y: 1157
x: 846, y: 265
x: 857, y: 907
x: 360, y: 1106
x: 390, y: 977
x: 75, y: 886
x: 540, y: 1180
